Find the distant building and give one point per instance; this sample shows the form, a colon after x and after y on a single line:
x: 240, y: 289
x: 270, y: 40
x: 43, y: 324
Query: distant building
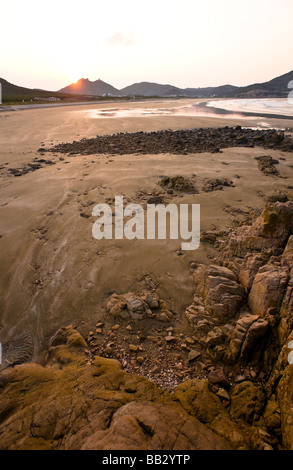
x: 51, y: 98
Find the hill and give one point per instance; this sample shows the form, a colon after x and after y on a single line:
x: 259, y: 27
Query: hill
x: 210, y: 92
x: 85, y: 87
x: 150, y: 89
x: 277, y: 87
x: 15, y: 93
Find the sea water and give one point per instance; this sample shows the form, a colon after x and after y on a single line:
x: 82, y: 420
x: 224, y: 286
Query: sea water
x: 278, y: 106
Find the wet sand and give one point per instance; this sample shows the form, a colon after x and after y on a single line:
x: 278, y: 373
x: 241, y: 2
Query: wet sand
x: 53, y: 271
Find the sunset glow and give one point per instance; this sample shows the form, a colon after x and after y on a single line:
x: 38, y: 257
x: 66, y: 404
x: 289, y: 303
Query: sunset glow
x: 202, y: 43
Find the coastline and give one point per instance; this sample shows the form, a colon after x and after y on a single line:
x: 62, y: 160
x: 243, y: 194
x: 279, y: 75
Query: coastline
x: 56, y: 274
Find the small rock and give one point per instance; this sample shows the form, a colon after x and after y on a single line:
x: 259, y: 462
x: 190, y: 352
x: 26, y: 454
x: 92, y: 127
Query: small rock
x: 152, y: 338
x: 222, y: 393
x: 218, y: 377
x: 189, y: 340
x: 193, y: 354
x: 155, y: 200
x: 170, y: 338
x: 240, y: 378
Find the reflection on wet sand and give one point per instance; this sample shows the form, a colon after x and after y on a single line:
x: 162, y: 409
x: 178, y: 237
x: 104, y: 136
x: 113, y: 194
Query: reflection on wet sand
x: 200, y: 110
x: 236, y: 109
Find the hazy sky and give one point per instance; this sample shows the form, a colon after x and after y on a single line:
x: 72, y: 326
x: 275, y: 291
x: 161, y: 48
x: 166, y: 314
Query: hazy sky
x: 187, y: 43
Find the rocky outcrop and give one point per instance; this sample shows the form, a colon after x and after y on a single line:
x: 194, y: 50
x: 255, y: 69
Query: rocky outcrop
x: 267, y: 291
x: 266, y: 237
x: 266, y: 165
x: 215, y: 184
x: 71, y: 405
x: 176, y: 142
x: 130, y: 305
x: 220, y: 291
x: 255, y: 325
x: 177, y: 183
x: 247, y: 402
x: 246, y: 337
x: 238, y: 388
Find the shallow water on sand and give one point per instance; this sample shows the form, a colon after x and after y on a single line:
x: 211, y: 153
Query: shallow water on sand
x: 238, y: 109
x: 259, y: 106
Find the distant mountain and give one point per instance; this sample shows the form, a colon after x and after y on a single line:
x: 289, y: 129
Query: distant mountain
x: 85, y: 87
x: 150, y: 89
x: 210, y: 92
x: 278, y: 87
x: 14, y: 93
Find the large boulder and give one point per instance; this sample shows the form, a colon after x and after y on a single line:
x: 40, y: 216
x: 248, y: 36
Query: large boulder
x: 248, y: 332
x: 247, y: 402
x: 138, y: 307
x: 197, y: 398
x: 220, y: 291
x: 284, y: 394
x: 267, y: 291
x: 280, y: 388
x: 266, y: 235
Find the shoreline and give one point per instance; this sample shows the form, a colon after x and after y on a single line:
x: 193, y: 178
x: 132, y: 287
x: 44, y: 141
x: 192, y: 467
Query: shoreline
x: 7, y: 108
x: 208, y: 111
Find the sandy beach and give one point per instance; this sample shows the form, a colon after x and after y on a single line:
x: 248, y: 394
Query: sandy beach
x: 53, y: 270
x: 138, y: 318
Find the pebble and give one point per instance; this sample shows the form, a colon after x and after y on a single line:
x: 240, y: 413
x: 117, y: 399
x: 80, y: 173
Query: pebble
x: 179, y: 375
x: 170, y: 339
x: 152, y: 338
x: 240, y: 378
x: 189, y: 340
x: 222, y: 393
x: 193, y: 354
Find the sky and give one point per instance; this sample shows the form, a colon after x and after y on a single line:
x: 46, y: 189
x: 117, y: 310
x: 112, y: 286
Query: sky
x: 187, y: 43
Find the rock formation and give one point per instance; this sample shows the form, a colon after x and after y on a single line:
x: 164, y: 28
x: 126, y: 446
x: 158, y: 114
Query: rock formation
x: 240, y: 391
